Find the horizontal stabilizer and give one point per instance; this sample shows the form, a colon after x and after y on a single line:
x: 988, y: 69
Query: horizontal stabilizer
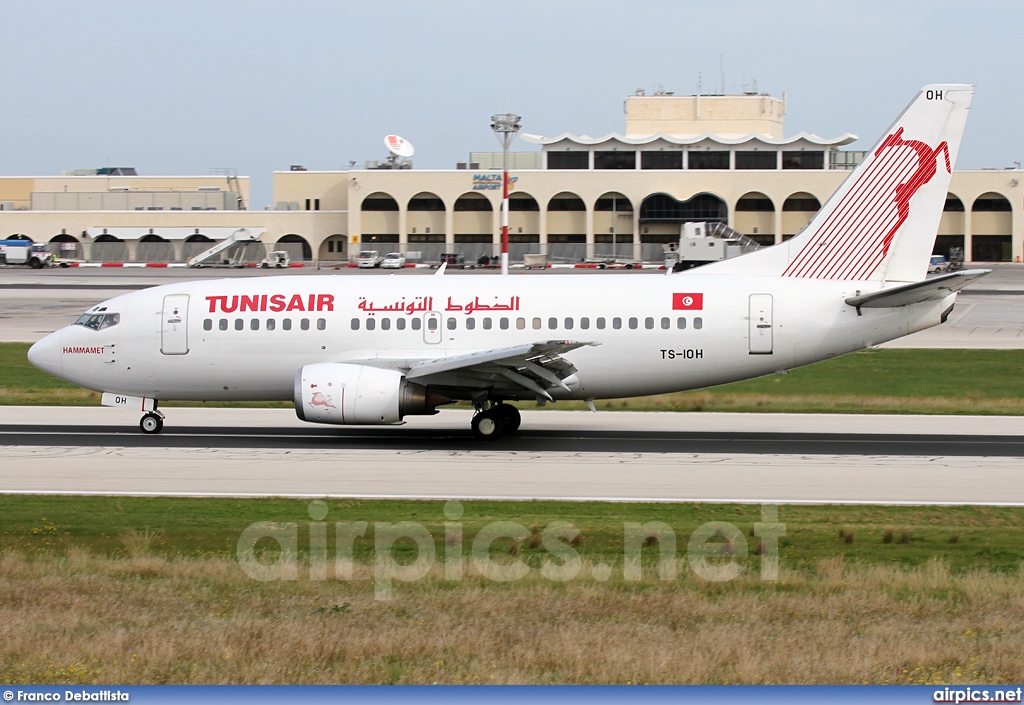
x: 906, y: 294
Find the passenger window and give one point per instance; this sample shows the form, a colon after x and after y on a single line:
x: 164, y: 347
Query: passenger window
x: 552, y: 323
x: 698, y: 323
x: 271, y: 323
x: 254, y: 324
x: 600, y: 324
x: 355, y: 324
x: 431, y: 324
x: 487, y: 323
x: 503, y: 323
x: 633, y: 323
x: 417, y: 324
x: 681, y: 323
x: 451, y: 324
x: 208, y: 324
x: 239, y: 324
x: 616, y: 323
x: 385, y: 324
x: 585, y: 323
x: 666, y: 323
x: 321, y: 323
x: 304, y: 324
x: 568, y: 324
x: 400, y: 323
x: 286, y: 324
x: 470, y: 323
x: 649, y: 323
x: 371, y: 324
x: 223, y: 324
x: 521, y: 323
x: 536, y: 324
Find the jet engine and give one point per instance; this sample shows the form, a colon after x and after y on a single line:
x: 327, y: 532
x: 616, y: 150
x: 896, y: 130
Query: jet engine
x: 339, y: 393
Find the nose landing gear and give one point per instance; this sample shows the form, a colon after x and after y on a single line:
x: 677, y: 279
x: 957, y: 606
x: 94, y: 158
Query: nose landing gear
x: 492, y: 423
x: 152, y: 422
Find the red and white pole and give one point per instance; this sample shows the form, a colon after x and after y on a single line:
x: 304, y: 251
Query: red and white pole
x: 504, y: 214
x: 505, y: 126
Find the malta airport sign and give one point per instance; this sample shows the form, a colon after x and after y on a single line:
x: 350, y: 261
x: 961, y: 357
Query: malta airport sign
x: 492, y: 182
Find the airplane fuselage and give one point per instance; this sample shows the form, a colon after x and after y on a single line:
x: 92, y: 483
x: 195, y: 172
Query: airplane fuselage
x: 244, y: 339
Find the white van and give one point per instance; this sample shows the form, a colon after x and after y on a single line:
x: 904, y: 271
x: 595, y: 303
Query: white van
x: 369, y: 259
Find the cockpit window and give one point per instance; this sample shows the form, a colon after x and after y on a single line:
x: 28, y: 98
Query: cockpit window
x: 99, y: 321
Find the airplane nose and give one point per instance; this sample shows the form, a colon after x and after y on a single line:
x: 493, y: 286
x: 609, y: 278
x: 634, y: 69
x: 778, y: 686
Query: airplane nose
x: 46, y: 354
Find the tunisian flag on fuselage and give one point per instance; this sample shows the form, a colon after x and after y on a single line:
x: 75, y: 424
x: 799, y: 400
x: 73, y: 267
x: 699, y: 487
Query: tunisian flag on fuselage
x: 687, y: 302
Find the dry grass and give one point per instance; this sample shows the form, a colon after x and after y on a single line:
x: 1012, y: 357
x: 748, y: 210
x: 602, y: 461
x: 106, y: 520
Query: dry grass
x: 140, y: 543
x: 81, y: 618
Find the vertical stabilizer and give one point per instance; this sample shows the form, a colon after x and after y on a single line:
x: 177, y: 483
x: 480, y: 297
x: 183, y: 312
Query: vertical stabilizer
x: 880, y: 224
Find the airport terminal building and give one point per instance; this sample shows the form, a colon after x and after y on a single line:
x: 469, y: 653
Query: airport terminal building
x: 722, y: 158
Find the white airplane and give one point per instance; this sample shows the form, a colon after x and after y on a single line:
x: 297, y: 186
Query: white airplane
x: 372, y: 350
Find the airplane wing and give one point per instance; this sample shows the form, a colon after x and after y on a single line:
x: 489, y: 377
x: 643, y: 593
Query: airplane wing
x: 526, y: 370
x: 916, y: 292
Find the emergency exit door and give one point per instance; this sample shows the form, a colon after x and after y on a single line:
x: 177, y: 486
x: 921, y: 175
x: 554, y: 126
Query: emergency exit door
x: 760, y: 324
x: 432, y: 327
x: 174, y: 325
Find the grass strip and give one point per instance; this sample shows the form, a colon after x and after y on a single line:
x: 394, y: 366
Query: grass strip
x: 965, y: 537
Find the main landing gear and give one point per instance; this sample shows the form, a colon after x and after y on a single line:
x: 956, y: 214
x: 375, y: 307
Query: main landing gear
x: 152, y: 422
x: 492, y: 423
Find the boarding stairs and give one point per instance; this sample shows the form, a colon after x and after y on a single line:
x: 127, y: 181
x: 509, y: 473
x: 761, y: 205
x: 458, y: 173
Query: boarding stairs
x: 230, y: 251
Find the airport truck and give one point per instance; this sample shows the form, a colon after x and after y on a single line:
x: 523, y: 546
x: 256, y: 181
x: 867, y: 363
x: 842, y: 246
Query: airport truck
x: 25, y: 253
x: 704, y: 243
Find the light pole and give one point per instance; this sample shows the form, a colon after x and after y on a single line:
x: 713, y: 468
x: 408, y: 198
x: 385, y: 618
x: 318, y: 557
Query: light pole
x: 505, y: 126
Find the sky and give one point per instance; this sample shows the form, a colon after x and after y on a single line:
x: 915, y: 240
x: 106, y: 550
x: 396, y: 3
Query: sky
x: 183, y: 86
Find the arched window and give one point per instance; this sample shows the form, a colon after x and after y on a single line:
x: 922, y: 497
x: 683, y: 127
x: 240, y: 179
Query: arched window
x: 296, y: 246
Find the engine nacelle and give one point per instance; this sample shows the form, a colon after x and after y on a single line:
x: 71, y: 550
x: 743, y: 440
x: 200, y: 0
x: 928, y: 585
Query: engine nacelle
x: 339, y: 393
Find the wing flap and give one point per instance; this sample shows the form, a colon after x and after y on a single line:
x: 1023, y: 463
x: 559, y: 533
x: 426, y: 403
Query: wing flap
x: 916, y: 292
x: 532, y: 367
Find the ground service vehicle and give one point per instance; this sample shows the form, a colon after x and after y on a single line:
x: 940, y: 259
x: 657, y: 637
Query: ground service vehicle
x: 373, y: 350
x: 453, y: 259
x: 703, y: 243
x: 369, y: 259
x: 937, y: 264
x: 277, y: 259
x: 25, y: 253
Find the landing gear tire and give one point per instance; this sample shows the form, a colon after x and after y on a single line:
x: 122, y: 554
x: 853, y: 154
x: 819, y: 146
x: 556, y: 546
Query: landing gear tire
x: 510, y: 415
x: 489, y: 425
x: 151, y: 423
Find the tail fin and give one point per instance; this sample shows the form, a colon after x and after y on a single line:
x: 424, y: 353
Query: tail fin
x: 880, y: 224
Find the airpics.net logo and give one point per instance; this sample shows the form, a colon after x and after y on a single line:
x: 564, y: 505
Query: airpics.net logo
x: 269, y: 551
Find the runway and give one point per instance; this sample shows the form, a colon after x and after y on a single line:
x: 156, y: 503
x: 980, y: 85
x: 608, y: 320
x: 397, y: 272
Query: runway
x: 557, y: 455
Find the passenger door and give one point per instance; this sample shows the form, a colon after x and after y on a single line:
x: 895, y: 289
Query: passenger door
x: 174, y: 325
